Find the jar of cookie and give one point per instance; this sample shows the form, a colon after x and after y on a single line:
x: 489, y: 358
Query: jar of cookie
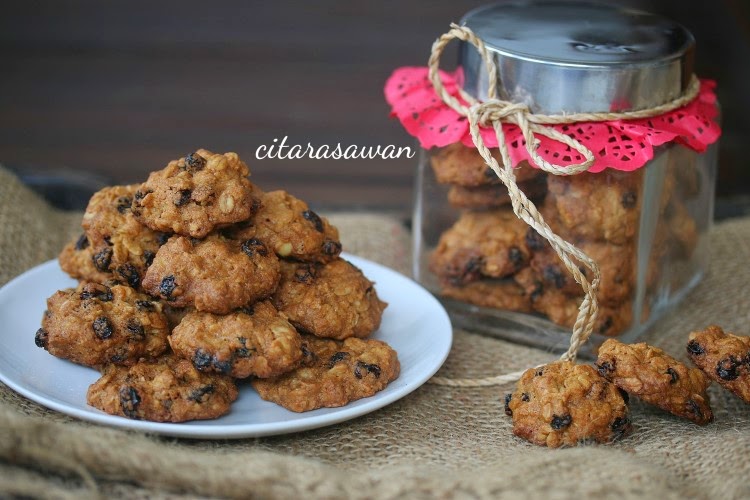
x: 572, y: 153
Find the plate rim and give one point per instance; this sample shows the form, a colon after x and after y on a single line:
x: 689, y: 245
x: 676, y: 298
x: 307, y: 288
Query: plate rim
x: 197, y: 430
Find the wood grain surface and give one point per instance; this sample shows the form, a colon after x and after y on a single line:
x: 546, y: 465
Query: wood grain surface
x: 117, y: 89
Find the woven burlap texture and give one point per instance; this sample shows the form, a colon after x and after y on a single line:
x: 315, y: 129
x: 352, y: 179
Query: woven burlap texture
x: 439, y: 441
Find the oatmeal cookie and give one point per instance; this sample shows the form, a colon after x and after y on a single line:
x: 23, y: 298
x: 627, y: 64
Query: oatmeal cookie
x: 128, y: 246
x: 724, y: 357
x: 563, y: 404
x: 616, y: 264
x: 490, y: 244
x: 167, y: 389
x: 214, y: 275
x: 499, y: 294
x: 292, y: 230
x: 83, y: 262
x: 256, y: 340
x: 494, y: 195
x: 195, y: 194
x: 657, y: 378
x: 333, y: 300
x: 464, y: 166
x: 332, y: 374
x: 95, y: 324
x: 562, y: 309
x: 603, y: 206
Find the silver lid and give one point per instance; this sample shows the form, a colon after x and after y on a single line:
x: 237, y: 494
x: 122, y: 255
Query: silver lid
x: 572, y: 57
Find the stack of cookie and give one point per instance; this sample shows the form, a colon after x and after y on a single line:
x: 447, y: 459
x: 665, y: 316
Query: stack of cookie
x: 490, y: 258
x: 196, y: 278
x: 564, y: 404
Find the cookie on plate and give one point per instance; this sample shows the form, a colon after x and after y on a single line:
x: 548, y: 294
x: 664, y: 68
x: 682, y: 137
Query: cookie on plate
x: 121, y: 241
x: 83, y: 262
x: 167, y: 389
x: 255, y: 340
x: 193, y: 195
x: 292, y: 230
x: 656, y: 378
x: 490, y: 244
x: 332, y: 374
x: 724, y: 357
x: 214, y: 275
x: 334, y: 300
x: 564, y: 404
x: 94, y: 324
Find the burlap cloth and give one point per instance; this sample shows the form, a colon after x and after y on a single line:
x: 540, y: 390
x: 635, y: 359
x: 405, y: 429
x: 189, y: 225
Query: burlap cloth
x: 439, y: 441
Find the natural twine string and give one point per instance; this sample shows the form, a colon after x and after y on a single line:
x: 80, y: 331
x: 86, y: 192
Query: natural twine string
x: 494, y: 112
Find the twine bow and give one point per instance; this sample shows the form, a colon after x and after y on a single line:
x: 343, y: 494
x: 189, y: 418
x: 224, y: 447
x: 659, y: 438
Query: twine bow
x: 494, y: 112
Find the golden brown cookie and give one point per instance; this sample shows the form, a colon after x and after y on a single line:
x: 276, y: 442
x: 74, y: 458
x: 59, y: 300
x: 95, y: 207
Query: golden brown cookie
x: 83, y: 262
x: 494, y: 195
x: 168, y: 389
x: 616, y: 265
x: 603, y: 206
x: 193, y: 195
x: 464, y: 166
x: 499, y: 294
x: 332, y: 374
x: 724, y: 357
x: 333, y: 300
x: 292, y: 230
x: 119, y: 240
x: 564, y: 404
x: 214, y: 275
x: 95, y: 324
x: 256, y: 340
x: 490, y: 244
x: 657, y: 378
x: 562, y: 309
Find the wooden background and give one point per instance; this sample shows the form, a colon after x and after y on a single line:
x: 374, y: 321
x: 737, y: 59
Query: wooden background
x: 112, y: 90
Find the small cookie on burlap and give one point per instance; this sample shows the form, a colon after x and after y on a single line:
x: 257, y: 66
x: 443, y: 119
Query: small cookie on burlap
x: 724, y: 357
x: 564, y: 404
x: 657, y: 378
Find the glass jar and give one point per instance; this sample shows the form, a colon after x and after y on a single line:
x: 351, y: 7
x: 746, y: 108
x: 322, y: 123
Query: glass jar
x: 645, y: 227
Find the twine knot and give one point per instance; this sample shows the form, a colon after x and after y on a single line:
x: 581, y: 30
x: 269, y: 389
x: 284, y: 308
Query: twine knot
x: 497, y: 110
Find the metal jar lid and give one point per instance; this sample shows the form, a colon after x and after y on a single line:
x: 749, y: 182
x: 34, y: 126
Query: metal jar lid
x: 572, y: 57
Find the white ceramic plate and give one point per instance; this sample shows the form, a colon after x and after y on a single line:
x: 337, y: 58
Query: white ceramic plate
x: 414, y: 324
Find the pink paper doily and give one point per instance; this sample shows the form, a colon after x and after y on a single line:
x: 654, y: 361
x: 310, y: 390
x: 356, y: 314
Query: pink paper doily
x: 620, y: 144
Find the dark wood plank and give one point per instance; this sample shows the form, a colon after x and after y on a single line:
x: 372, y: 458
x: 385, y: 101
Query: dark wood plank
x: 120, y: 88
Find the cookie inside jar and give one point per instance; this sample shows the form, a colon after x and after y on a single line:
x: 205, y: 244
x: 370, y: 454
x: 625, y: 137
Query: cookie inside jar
x: 496, y: 274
